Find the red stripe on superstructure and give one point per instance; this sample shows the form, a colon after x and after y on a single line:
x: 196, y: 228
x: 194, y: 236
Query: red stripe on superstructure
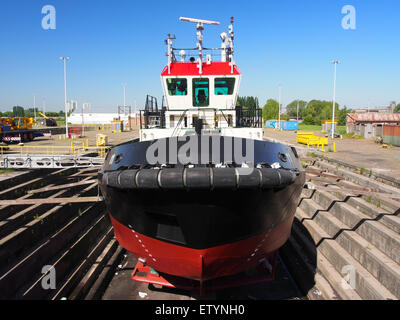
x: 191, y: 69
x: 202, y: 264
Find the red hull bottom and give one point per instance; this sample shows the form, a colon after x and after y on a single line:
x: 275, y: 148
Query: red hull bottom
x: 265, y: 273
x: 203, y: 264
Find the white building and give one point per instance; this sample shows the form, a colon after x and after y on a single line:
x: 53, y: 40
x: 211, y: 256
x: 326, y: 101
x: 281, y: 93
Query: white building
x: 99, y: 118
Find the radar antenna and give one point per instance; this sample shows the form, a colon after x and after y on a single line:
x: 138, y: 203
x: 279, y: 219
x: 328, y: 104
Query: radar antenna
x: 199, y: 33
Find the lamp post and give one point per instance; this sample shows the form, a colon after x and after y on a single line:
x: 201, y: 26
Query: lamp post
x: 34, y: 108
x: 65, y: 59
x: 279, y: 109
x: 334, y: 100
x: 124, y: 86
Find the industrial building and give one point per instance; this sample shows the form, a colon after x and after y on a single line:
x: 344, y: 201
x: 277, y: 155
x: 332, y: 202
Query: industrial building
x: 370, y: 124
x: 389, y: 109
x: 132, y: 119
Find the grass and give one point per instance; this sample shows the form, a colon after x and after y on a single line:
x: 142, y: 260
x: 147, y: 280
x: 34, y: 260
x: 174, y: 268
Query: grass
x: 315, y: 127
x: 5, y: 171
x: 309, y: 127
x: 352, y: 135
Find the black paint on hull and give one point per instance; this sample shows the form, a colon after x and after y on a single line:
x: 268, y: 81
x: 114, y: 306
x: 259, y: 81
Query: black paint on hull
x: 202, y: 219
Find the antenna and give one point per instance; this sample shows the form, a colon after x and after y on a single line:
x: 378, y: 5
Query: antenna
x: 199, y: 34
x: 199, y: 21
x: 170, y: 53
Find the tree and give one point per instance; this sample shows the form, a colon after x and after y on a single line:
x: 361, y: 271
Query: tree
x: 248, y: 103
x: 397, y: 108
x: 270, y: 110
x: 321, y: 110
x: 291, y: 108
x: 309, y: 119
x: 18, y: 111
x: 342, y: 116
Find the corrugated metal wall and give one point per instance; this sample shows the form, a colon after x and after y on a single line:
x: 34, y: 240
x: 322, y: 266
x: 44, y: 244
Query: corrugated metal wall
x: 391, y: 135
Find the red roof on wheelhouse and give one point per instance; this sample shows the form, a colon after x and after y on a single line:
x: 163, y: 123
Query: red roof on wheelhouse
x: 191, y: 69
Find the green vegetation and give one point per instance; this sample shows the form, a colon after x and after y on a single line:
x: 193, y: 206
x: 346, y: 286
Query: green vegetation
x: 270, y: 110
x: 313, y: 127
x: 309, y: 127
x: 19, y: 111
x: 312, y: 155
x: 5, y: 171
x: 291, y: 108
x: 352, y: 135
x: 312, y: 112
x: 248, y: 103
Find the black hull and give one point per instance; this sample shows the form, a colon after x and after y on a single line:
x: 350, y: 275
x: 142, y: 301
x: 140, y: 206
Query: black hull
x: 201, y: 218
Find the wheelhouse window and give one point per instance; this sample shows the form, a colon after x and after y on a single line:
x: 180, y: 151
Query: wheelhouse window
x: 224, y: 86
x: 201, y: 92
x: 177, y: 87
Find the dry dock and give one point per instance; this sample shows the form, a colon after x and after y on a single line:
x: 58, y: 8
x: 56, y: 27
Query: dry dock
x: 345, y: 241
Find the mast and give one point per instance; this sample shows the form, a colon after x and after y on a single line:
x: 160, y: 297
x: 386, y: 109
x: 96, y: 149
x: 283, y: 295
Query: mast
x: 199, y: 33
x: 232, y: 62
x: 170, y: 53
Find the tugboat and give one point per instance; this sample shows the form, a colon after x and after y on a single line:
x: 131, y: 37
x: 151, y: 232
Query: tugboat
x: 200, y: 196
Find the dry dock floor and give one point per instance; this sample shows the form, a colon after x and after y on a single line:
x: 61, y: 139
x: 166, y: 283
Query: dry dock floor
x: 59, y: 139
x: 122, y: 287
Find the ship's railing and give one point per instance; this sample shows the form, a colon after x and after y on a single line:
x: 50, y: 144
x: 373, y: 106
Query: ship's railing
x: 152, y: 119
x: 215, y: 53
x: 152, y: 115
x: 249, y: 117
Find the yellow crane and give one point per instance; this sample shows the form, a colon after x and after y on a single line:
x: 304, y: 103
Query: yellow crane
x: 43, y: 115
x: 50, y: 122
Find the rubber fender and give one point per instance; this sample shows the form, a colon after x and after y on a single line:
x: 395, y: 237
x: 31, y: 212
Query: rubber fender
x: 287, y: 177
x: 147, y: 179
x: 275, y: 178
x: 197, y: 178
x: 112, y: 178
x: 224, y: 178
x: 249, y: 177
x: 127, y: 179
x: 171, y: 178
x: 269, y: 177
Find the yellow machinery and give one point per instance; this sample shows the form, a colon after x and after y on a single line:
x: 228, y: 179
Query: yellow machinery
x: 50, y: 122
x: 310, y: 139
x: 326, y: 125
x: 15, y: 123
x: 101, y: 140
x: 17, y: 129
x: 117, y: 126
x: 21, y: 123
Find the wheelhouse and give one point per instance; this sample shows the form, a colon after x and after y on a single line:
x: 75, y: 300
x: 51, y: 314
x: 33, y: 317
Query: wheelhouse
x: 202, y: 89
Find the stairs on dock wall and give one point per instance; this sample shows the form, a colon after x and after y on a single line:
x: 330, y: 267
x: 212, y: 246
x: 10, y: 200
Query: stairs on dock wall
x: 355, y: 240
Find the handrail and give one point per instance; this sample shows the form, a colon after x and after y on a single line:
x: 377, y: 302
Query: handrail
x: 179, y: 123
x: 54, y: 150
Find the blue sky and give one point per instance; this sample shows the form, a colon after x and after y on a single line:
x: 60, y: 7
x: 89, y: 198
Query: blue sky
x: 291, y: 42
